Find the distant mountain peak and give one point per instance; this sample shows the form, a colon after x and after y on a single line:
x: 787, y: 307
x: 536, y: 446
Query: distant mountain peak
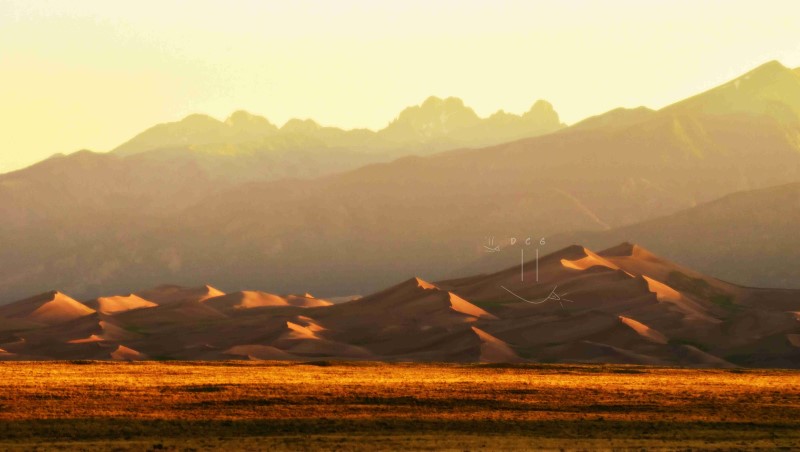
x: 296, y: 125
x: 436, y: 118
x: 199, y: 119
x: 541, y: 105
x: 436, y: 109
x: 772, y: 65
x: 244, y: 119
x: 770, y: 89
x: 769, y: 66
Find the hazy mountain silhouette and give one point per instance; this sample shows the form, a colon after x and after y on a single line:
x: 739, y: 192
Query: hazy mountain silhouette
x: 749, y: 237
x: 248, y: 147
x: 360, y: 230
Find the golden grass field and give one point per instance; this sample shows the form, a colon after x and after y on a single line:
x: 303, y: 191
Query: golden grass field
x: 344, y: 406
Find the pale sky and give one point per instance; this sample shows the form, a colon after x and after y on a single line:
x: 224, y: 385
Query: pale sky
x: 91, y: 74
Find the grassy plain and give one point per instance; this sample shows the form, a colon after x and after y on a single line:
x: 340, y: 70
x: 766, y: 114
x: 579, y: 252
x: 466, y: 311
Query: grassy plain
x: 345, y: 406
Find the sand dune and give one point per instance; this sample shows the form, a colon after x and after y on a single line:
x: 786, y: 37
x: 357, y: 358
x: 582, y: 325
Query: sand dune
x: 49, y: 308
x: 108, y: 333
x: 603, y: 315
x: 245, y: 300
x: 167, y: 294
x: 594, y: 352
x: 644, y: 330
x: 296, y: 331
x: 691, y: 356
x: 591, y: 260
x: 255, y: 299
x: 493, y: 350
x: 308, y: 323
x: 302, y: 338
x: 639, y: 261
x: 123, y: 353
x: 119, y: 303
x: 663, y: 292
x: 462, y: 306
x: 667, y: 294
x: 306, y: 301
x: 422, y: 284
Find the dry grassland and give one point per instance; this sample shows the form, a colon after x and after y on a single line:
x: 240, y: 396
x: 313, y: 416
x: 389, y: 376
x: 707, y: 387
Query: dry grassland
x: 344, y: 406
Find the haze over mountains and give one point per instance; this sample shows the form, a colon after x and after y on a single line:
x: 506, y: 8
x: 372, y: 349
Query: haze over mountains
x: 249, y: 147
x: 92, y: 224
x: 749, y: 237
x: 622, y: 305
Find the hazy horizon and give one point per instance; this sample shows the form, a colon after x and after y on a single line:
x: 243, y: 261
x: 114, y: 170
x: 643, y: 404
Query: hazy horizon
x: 116, y: 70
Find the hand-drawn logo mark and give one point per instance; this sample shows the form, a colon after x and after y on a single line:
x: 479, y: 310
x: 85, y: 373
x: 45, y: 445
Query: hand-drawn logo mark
x: 552, y: 296
x: 492, y: 248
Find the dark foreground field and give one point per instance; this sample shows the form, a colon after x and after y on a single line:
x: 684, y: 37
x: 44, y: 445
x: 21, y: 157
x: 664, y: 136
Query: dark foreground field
x: 345, y: 406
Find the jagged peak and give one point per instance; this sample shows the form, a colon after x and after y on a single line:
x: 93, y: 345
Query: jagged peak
x: 433, y: 105
x: 434, y: 102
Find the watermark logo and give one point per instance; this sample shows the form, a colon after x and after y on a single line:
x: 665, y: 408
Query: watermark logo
x: 491, y: 247
x: 552, y: 296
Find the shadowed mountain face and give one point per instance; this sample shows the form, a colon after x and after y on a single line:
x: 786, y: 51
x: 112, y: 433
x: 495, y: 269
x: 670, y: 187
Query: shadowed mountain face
x: 621, y: 305
x: 749, y: 237
x: 360, y: 230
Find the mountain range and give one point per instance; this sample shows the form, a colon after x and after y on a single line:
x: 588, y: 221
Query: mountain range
x: 156, y: 210
x: 621, y: 305
x: 248, y: 147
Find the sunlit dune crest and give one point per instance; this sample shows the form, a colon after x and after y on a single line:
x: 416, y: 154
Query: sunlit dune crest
x: 123, y: 353
x: 308, y: 323
x: 306, y: 301
x: 299, y: 332
x: 119, y: 303
x: 644, y: 330
x: 422, y: 284
x: 249, y: 299
x: 493, y: 350
x: 48, y: 308
x: 166, y: 294
x: 663, y: 292
x: 246, y: 299
x: 591, y: 260
x: 463, y: 306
